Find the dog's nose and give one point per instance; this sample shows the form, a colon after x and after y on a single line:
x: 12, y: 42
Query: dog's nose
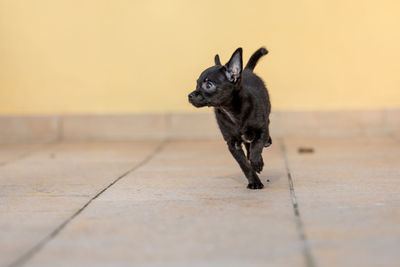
x: 192, y: 94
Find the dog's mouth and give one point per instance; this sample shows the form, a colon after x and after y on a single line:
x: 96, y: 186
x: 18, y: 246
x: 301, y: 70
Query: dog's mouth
x: 197, y: 100
x: 198, y: 105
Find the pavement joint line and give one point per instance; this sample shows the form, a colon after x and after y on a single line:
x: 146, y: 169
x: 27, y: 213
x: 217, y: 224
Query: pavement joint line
x: 39, y: 246
x: 309, y: 259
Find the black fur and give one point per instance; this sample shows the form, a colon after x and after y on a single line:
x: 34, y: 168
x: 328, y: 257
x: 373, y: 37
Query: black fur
x: 216, y: 60
x: 242, y: 107
x: 255, y: 57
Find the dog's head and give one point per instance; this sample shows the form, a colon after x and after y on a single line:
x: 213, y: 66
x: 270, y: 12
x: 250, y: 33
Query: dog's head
x: 216, y: 84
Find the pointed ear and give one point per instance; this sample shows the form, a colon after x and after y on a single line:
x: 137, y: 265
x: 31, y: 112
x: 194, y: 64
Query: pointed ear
x: 216, y: 60
x: 234, y: 66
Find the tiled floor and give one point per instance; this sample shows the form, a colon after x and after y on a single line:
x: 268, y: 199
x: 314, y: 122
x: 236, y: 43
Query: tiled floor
x: 185, y: 203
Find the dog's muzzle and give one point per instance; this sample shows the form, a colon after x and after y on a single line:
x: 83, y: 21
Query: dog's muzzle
x: 196, y: 99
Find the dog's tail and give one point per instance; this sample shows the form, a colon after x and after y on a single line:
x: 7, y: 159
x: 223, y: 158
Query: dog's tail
x: 255, y: 57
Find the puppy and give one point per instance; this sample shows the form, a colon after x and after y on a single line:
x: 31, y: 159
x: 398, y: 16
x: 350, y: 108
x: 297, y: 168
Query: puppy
x: 242, y: 107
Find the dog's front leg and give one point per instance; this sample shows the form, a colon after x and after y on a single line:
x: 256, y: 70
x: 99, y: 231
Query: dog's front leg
x: 238, y: 153
x: 255, y: 158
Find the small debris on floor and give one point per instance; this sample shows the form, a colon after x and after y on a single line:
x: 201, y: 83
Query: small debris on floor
x: 305, y: 150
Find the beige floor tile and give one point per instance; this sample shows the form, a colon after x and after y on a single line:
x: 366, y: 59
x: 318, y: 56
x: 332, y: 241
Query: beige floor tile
x: 38, y: 193
x: 348, y: 194
x: 196, y: 125
x: 189, y: 206
x: 392, y: 121
x: 113, y: 127
x: 14, y: 129
x: 11, y: 152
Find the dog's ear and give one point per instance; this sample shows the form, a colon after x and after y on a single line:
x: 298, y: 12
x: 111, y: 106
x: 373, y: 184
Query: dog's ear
x: 234, y: 66
x: 217, y: 61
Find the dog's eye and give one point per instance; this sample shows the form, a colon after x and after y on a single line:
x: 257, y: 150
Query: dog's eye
x: 209, y: 85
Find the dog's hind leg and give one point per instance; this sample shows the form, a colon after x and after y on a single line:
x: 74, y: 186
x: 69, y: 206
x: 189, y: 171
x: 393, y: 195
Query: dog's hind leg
x: 238, y: 153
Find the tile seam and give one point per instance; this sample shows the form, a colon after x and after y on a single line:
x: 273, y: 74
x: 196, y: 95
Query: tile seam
x: 306, y: 250
x: 24, y: 258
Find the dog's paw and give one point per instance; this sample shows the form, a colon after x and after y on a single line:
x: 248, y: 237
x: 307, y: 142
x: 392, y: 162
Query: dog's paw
x: 257, y: 163
x: 257, y: 185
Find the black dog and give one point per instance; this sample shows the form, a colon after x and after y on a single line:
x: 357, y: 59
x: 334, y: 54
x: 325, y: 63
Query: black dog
x: 242, y: 107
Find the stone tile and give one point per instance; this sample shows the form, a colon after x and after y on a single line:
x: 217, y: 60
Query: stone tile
x: 41, y: 191
x: 392, y: 121
x: 28, y: 129
x: 347, y: 192
x: 189, y: 204
x: 274, y: 127
x: 328, y: 123
x: 11, y: 152
x: 201, y: 125
x: 195, y: 125
x: 372, y: 122
x: 114, y: 127
x: 186, y: 207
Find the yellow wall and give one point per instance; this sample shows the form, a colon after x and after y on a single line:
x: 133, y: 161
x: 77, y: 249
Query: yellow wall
x: 112, y: 56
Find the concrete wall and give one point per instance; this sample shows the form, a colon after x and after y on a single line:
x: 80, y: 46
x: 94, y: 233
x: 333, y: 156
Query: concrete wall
x: 98, y: 56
